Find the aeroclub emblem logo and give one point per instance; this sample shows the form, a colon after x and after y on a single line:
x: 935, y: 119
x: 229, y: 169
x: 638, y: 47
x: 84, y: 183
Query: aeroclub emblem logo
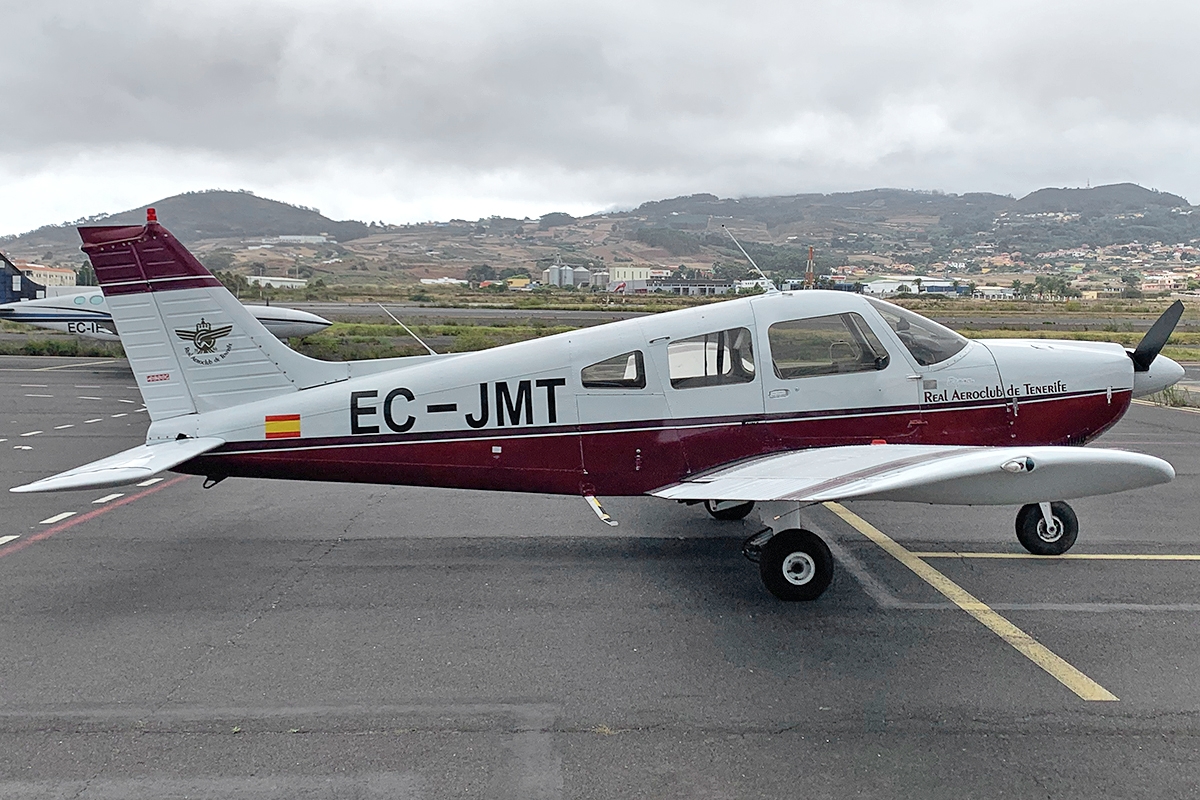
x: 204, y: 342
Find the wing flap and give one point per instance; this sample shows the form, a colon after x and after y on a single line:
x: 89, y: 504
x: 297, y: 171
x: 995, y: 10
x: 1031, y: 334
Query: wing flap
x: 928, y: 474
x: 130, y: 466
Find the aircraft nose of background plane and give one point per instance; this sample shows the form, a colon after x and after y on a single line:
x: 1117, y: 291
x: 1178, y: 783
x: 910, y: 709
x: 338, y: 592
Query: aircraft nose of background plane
x: 1162, y: 374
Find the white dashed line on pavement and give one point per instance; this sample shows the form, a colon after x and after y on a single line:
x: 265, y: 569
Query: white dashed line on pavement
x: 34, y: 386
x: 150, y: 482
x: 83, y: 397
x: 117, y: 416
x: 107, y: 498
x: 62, y: 427
x: 6, y: 539
x: 39, y: 395
x: 57, y: 518
x: 31, y: 433
x: 97, y: 419
x: 21, y: 447
x: 131, y: 402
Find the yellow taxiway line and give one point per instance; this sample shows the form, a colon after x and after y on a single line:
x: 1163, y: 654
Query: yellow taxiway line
x: 1067, y: 556
x: 1026, y: 645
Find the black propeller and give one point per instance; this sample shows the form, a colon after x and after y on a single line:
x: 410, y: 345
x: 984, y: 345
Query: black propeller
x: 1152, y: 343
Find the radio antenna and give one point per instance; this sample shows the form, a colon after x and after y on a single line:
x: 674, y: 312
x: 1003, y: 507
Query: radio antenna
x: 773, y: 288
x: 432, y: 352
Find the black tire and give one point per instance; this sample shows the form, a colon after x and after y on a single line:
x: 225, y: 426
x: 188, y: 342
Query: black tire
x: 796, y: 565
x: 730, y: 513
x: 1031, y: 529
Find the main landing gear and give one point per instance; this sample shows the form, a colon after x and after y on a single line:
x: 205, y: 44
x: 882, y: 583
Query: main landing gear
x: 1047, y: 529
x: 794, y: 563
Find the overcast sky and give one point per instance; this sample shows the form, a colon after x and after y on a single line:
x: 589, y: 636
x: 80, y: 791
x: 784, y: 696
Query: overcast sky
x: 412, y: 111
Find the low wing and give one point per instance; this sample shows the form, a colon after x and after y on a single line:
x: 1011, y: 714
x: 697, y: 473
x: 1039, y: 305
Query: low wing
x: 132, y: 465
x: 928, y: 474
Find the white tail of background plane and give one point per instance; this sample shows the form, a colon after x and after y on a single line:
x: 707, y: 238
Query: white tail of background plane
x: 192, y: 346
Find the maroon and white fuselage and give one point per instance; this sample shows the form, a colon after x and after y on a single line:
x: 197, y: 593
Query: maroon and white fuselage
x: 621, y: 409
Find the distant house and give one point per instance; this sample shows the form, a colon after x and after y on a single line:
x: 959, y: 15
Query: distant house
x: 1164, y: 282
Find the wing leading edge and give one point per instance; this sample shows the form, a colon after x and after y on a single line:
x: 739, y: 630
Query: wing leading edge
x: 130, y: 466
x: 941, y: 475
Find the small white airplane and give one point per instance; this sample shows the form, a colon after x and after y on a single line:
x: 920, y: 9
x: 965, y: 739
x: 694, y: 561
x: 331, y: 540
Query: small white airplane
x: 86, y: 313
x: 783, y: 399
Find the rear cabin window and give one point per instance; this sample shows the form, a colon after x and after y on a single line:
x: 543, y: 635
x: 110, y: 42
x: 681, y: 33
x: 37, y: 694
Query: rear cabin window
x: 714, y: 359
x: 626, y: 371
x: 831, y: 345
x: 929, y: 342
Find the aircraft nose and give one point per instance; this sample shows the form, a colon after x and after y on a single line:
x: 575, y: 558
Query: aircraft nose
x: 1162, y: 374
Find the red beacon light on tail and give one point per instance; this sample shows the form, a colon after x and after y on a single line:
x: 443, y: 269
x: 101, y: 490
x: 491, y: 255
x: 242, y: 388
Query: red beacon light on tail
x: 151, y: 215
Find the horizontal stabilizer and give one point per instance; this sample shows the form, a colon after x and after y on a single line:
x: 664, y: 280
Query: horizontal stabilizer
x: 133, y: 465
x: 928, y: 474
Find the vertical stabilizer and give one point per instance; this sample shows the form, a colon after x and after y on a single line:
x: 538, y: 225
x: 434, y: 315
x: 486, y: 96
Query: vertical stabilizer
x: 192, y: 346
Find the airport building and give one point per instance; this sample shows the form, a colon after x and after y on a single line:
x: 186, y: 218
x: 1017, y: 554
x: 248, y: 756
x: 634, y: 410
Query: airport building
x: 48, y: 276
x: 691, y: 286
x: 277, y: 283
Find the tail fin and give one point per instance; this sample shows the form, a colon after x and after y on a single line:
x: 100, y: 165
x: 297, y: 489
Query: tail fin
x: 192, y: 346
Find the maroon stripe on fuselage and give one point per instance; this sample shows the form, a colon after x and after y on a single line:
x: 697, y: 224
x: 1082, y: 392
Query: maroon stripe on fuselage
x: 634, y: 458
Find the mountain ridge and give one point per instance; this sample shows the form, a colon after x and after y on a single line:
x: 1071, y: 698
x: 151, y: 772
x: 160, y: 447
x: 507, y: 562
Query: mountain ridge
x: 207, y: 214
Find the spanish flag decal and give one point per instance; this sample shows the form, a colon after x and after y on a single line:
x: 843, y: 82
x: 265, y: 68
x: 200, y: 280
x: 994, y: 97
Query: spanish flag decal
x: 282, y: 426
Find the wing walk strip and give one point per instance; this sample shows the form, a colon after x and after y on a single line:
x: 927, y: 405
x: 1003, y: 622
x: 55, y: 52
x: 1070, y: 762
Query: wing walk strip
x: 1026, y: 645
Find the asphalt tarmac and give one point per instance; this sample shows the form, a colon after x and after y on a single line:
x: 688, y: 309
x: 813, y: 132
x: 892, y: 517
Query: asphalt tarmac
x: 271, y: 640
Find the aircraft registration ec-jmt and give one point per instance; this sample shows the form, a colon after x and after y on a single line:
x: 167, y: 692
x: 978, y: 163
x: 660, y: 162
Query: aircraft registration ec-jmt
x: 783, y: 399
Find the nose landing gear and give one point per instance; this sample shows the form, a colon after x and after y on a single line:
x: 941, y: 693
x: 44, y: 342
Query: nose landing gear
x: 1047, y: 529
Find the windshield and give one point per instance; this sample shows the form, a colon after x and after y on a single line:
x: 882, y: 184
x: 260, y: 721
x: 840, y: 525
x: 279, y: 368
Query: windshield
x: 929, y: 342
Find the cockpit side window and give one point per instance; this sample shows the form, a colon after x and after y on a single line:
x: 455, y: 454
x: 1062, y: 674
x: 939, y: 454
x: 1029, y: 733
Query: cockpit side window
x: 714, y: 359
x: 626, y: 371
x: 831, y: 345
x: 929, y: 342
